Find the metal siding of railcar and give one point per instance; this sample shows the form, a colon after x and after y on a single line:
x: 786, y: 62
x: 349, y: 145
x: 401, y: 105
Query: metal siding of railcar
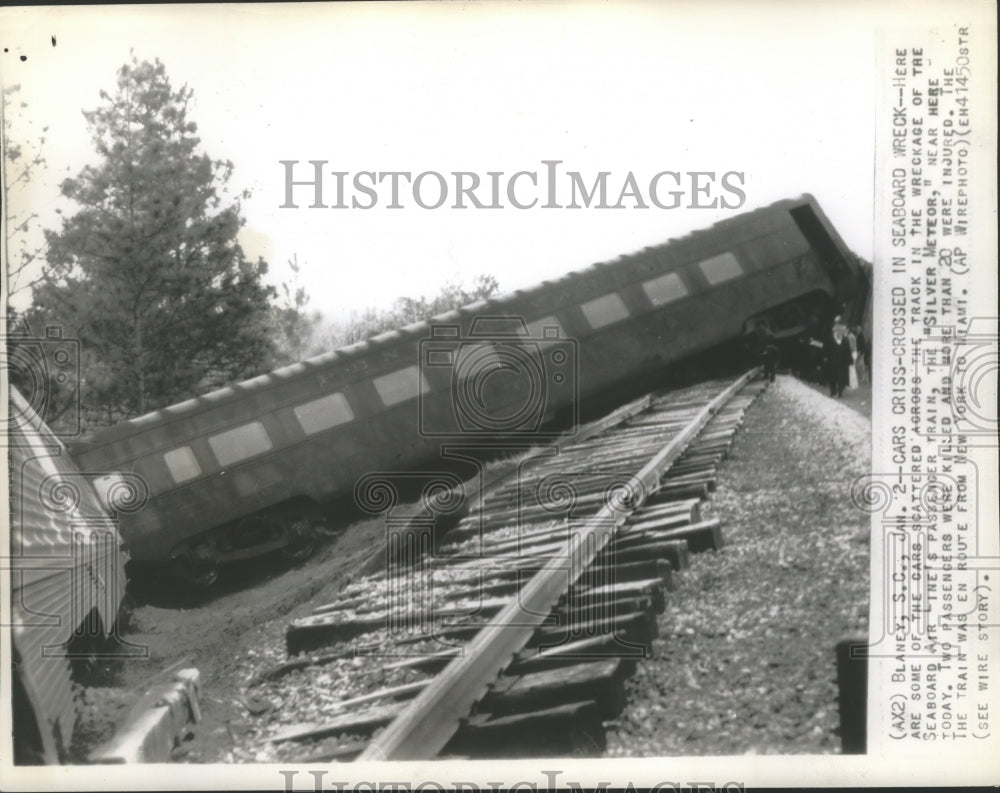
x: 241, y: 405
x: 778, y: 247
x: 45, y: 620
x: 212, y: 500
x: 36, y: 457
x: 197, y: 505
x: 749, y: 295
x: 721, y: 237
x: 867, y: 316
x: 683, y: 255
x: 346, y: 359
x: 34, y: 528
x: 193, y: 431
x: 757, y: 249
x: 49, y: 686
x: 376, y: 430
x: 847, y: 289
x: 830, y: 229
x: 771, y: 224
x: 609, y: 353
x: 120, y: 443
x: 49, y: 604
x: 178, y: 514
x: 44, y: 601
x: 573, y: 289
x: 32, y: 466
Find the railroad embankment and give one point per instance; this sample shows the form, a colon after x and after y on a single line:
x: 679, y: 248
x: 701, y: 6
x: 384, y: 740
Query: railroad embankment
x: 745, y: 659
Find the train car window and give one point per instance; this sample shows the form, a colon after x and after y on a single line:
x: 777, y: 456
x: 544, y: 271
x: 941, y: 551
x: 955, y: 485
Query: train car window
x: 105, y: 487
x: 182, y: 464
x: 723, y: 267
x: 545, y: 327
x: 604, y: 310
x: 664, y: 289
x: 240, y: 443
x: 400, y: 385
x: 323, y: 413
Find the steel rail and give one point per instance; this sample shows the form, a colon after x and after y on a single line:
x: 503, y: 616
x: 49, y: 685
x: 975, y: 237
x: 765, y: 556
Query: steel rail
x: 485, y: 482
x: 433, y: 717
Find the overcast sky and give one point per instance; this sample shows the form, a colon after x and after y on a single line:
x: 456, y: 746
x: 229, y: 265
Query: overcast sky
x: 785, y: 95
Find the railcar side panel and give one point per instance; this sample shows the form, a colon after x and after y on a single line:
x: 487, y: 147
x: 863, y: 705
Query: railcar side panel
x: 312, y: 429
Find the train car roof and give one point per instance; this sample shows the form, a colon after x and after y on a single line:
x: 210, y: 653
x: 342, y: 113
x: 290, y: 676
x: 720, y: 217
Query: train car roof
x: 236, y: 391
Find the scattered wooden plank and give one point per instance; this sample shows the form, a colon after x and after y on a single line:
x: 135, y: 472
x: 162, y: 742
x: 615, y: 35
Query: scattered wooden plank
x: 602, y: 609
x: 548, y: 701
x: 674, y: 551
x: 600, y: 681
x: 640, y: 523
x: 652, y: 588
x: 491, y: 588
x: 308, y: 633
x: 703, y: 536
x: 691, y: 506
x: 633, y: 571
x: 603, y: 647
x: 426, y: 662
x: 344, y: 751
x: 637, y: 627
x: 569, y: 729
x: 671, y: 492
x: 358, y: 723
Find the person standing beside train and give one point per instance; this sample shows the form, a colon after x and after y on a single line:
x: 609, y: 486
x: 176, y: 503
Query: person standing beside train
x: 759, y: 344
x: 838, y: 358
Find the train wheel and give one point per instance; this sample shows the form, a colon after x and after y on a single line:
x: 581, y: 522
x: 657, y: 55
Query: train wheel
x: 324, y: 528
x: 203, y: 575
x: 302, y: 540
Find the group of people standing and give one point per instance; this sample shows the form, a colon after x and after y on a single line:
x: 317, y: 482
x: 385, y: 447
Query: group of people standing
x: 848, y: 356
x: 842, y: 359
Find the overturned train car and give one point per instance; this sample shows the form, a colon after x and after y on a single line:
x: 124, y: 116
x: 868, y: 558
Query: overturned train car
x: 246, y: 469
x: 67, y: 582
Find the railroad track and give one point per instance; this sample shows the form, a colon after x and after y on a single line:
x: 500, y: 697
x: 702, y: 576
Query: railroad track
x: 515, y: 635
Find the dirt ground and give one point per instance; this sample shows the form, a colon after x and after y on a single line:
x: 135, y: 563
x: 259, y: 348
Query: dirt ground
x: 252, y: 603
x: 255, y: 601
x: 858, y: 399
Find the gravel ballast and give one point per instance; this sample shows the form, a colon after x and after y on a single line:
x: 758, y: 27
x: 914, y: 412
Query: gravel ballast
x: 745, y: 660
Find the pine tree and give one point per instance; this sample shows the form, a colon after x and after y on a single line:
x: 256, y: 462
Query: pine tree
x: 148, y: 273
x: 293, y: 324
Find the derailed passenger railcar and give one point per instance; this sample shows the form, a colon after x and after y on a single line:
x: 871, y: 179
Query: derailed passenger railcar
x: 67, y: 582
x: 246, y: 469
